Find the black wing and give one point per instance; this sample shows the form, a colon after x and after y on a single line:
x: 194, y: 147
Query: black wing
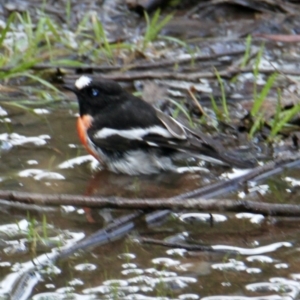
x: 135, y: 124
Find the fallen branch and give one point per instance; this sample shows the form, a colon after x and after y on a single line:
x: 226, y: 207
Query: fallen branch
x: 227, y: 73
x: 199, y: 204
x: 152, y: 65
x: 188, y: 247
x: 116, y: 229
x: 267, y: 6
x: 200, y: 199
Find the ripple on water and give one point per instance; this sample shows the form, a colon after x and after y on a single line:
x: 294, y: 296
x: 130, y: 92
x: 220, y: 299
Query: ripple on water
x: 38, y: 174
x: 85, y: 267
x: 260, y: 258
x: 16, y: 139
x: 203, y: 217
x: 254, y: 218
x: 253, y: 251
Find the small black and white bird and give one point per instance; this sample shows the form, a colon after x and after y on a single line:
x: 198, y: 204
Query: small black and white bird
x: 128, y: 135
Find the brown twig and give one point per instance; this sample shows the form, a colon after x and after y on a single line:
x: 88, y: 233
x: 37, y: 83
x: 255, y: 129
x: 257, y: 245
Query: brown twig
x: 191, y: 91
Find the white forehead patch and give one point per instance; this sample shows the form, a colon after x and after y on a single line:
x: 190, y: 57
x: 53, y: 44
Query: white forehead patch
x: 83, y: 82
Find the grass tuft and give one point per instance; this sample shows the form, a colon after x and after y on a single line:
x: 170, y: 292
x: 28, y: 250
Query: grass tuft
x: 154, y: 26
x: 101, y: 37
x: 260, y: 98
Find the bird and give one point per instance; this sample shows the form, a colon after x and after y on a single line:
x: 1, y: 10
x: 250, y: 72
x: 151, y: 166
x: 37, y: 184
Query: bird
x: 128, y: 135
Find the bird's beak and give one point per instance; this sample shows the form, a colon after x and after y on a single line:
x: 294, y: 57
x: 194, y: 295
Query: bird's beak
x: 70, y: 88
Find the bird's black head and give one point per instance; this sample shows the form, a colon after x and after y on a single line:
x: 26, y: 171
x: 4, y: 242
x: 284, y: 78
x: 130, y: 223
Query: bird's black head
x: 95, y: 95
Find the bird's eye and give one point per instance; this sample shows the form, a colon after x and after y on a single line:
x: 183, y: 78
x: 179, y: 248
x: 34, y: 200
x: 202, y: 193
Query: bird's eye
x: 94, y: 92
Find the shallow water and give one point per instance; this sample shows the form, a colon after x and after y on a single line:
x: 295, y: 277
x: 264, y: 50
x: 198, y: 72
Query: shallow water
x: 41, y: 153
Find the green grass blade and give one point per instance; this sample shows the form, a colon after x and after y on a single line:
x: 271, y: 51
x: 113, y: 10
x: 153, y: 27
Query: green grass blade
x: 52, y: 29
x: 256, y: 69
x: 22, y: 67
x: 82, y: 24
x: 256, y: 125
x: 101, y: 37
x: 45, y: 231
x: 180, y: 107
x: 277, y: 112
x: 247, y: 51
x: 175, y: 40
x: 36, y: 78
x: 224, y: 100
x: 286, y: 116
x: 67, y: 62
x: 68, y: 12
x: 7, y: 27
x: 215, y: 107
x: 258, y: 101
x: 154, y: 26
